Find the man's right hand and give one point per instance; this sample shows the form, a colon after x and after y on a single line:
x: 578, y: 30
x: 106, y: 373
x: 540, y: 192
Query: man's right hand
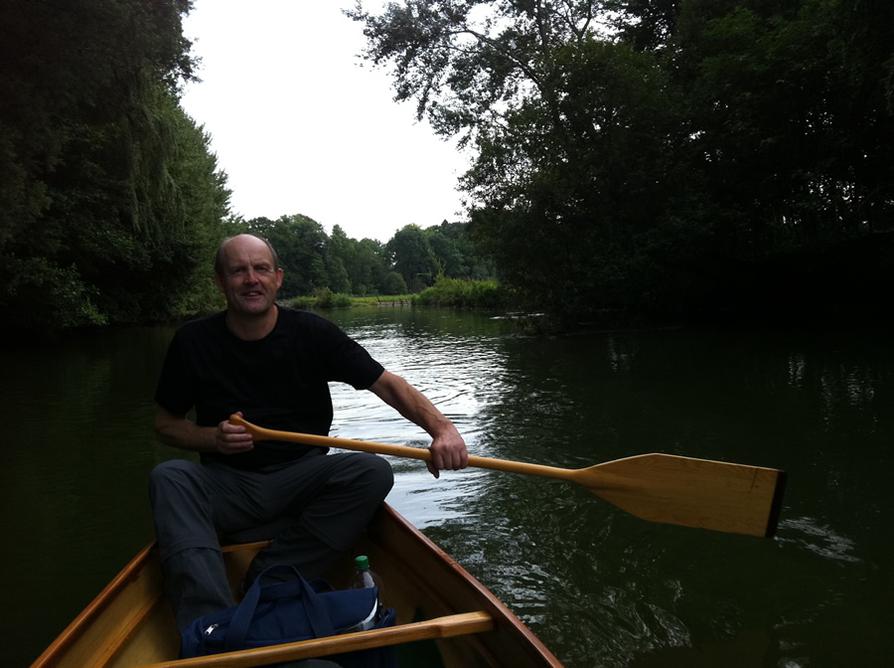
x: 231, y: 439
x: 225, y: 438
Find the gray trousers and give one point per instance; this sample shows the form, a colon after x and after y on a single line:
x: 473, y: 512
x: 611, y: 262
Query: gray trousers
x: 313, y: 509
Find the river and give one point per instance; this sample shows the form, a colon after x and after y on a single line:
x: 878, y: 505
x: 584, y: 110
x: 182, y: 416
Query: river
x: 600, y: 587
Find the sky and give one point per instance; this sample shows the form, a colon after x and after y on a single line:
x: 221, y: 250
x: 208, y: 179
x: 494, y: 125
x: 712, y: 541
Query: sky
x: 301, y: 124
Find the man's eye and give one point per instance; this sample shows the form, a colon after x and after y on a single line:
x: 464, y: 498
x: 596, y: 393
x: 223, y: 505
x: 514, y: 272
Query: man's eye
x: 237, y: 272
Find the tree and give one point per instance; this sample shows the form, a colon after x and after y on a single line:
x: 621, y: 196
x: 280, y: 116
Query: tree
x: 572, y: 136
x: 394, y: 284
x: 107, y: 190
x: 369, y: 267
x: 338, y: 276
x: 643, y: 167
x: 301, y: 244
x: 456, y: 252
x: 413, y: 257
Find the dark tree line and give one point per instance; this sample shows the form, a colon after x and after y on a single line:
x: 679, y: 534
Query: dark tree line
x: 111, y: 203
x: 669, y: 155
x: 109, y: 196
x: 409, y: 262
x: 661, y: 154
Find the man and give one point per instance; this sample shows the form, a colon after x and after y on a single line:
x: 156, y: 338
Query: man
x: 271, y: 364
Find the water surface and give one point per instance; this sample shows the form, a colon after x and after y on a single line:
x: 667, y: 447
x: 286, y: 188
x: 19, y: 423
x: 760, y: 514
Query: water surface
x: 600, y: 587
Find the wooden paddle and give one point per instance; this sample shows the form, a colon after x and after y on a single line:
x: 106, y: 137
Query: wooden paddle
x: 701, y: 493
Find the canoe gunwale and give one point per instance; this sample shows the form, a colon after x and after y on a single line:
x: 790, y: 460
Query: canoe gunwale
x: 78, y: 625
x: 497, y: 609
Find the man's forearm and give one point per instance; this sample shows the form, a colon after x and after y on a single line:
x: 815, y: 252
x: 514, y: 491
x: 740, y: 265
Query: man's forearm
x: 185, y: 434
x: 447, y: 448
x: 412, y: 404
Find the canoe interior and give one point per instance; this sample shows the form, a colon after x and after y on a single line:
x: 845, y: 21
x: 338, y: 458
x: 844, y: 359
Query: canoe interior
x: 130, y: 624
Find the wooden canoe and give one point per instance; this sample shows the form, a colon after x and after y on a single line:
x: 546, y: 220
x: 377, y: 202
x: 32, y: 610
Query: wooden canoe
x: 444, y: 615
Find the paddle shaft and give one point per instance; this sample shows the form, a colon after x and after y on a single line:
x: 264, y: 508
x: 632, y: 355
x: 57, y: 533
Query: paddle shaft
x: 262, y: 433
x: 672, y: 489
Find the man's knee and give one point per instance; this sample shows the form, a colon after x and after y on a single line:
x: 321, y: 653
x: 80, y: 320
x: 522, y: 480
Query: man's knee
x: 173, y: 471
x: 378, y: 475
x: 174, y: 474
x: 181, y: 507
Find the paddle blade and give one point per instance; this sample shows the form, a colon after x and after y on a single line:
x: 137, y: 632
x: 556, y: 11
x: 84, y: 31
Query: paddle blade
x: 691, y: 492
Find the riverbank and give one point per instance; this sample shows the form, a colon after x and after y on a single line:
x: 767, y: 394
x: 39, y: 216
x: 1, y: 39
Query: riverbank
x: 446, y: 292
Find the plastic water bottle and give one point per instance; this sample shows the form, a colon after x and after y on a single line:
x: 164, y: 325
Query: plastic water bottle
x: 365, y: 578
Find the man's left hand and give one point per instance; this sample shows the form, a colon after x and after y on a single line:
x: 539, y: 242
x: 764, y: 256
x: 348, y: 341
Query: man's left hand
x: 448, y: 451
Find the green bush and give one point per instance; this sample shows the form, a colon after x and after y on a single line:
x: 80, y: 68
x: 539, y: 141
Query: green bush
x: 463, y: 292
x: 301, y: 302
x: 394, y: 284
x: 323, y: 298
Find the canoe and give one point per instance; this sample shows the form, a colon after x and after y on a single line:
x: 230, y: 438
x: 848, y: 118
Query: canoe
x: 444, y: 615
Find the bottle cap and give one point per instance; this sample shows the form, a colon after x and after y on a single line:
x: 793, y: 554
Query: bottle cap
x: 362, y: 562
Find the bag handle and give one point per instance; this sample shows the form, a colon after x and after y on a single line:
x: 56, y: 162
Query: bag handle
x: 317, y: 614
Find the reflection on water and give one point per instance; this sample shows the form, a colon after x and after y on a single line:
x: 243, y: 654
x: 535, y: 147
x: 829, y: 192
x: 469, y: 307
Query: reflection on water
x: 818, y: 539
x: 603, y: 588
x: 600, y: 587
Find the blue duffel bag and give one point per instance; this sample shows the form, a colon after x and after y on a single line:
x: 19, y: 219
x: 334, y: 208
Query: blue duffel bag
x: 290, y: 611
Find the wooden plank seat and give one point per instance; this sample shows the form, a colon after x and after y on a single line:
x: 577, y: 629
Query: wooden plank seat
x: 448, y: 626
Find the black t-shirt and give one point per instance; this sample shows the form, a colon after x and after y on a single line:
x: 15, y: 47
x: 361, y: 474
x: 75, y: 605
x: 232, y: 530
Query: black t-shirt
x: 279, y: 382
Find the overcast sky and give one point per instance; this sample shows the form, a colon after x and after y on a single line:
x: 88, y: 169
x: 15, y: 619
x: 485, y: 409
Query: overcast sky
x: 301, y: 125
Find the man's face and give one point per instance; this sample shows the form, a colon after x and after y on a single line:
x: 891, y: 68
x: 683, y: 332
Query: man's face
x: 250, y: 280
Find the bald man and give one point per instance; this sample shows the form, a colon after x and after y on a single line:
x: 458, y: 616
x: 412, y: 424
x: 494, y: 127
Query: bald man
x: 273, y: 365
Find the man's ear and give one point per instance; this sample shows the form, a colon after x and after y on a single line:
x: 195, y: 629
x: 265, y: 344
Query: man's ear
x: 218, y: 281
x: 279, y: 275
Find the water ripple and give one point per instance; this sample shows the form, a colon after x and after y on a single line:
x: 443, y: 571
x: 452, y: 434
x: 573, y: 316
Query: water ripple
x: 819, y: 539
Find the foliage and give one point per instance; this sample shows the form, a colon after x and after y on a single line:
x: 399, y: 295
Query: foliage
x: 301, y: 244
x: 317, y: 264
x: 365, y: 262
x: 632, y: 153
x: 456, y: 253
x: 301, y: 302
x: 394, y: 284
x: 380, y: 300
x: 420, y: 256
x: 413, y: 257
x: 463, y: 293
x: 109, y: 196
x: 323, y: 299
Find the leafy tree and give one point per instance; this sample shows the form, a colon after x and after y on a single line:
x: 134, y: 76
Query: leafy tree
x: 369, y: 267
x: 108, y: 193
x: 342, y: 254
x: 647, y: 166
x: 394, y: 284
x: 647, y: 25
x: 413, y: 257
x: 301, y: 244
x: 364, y: 263
x: 456, y: 252
x: 572, y: 135
x: 338, y: 276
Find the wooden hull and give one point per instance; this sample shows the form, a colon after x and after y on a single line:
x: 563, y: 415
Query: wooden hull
x: 443, y: 614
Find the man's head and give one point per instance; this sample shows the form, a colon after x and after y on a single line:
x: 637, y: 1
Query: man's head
x: 247, y: 271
